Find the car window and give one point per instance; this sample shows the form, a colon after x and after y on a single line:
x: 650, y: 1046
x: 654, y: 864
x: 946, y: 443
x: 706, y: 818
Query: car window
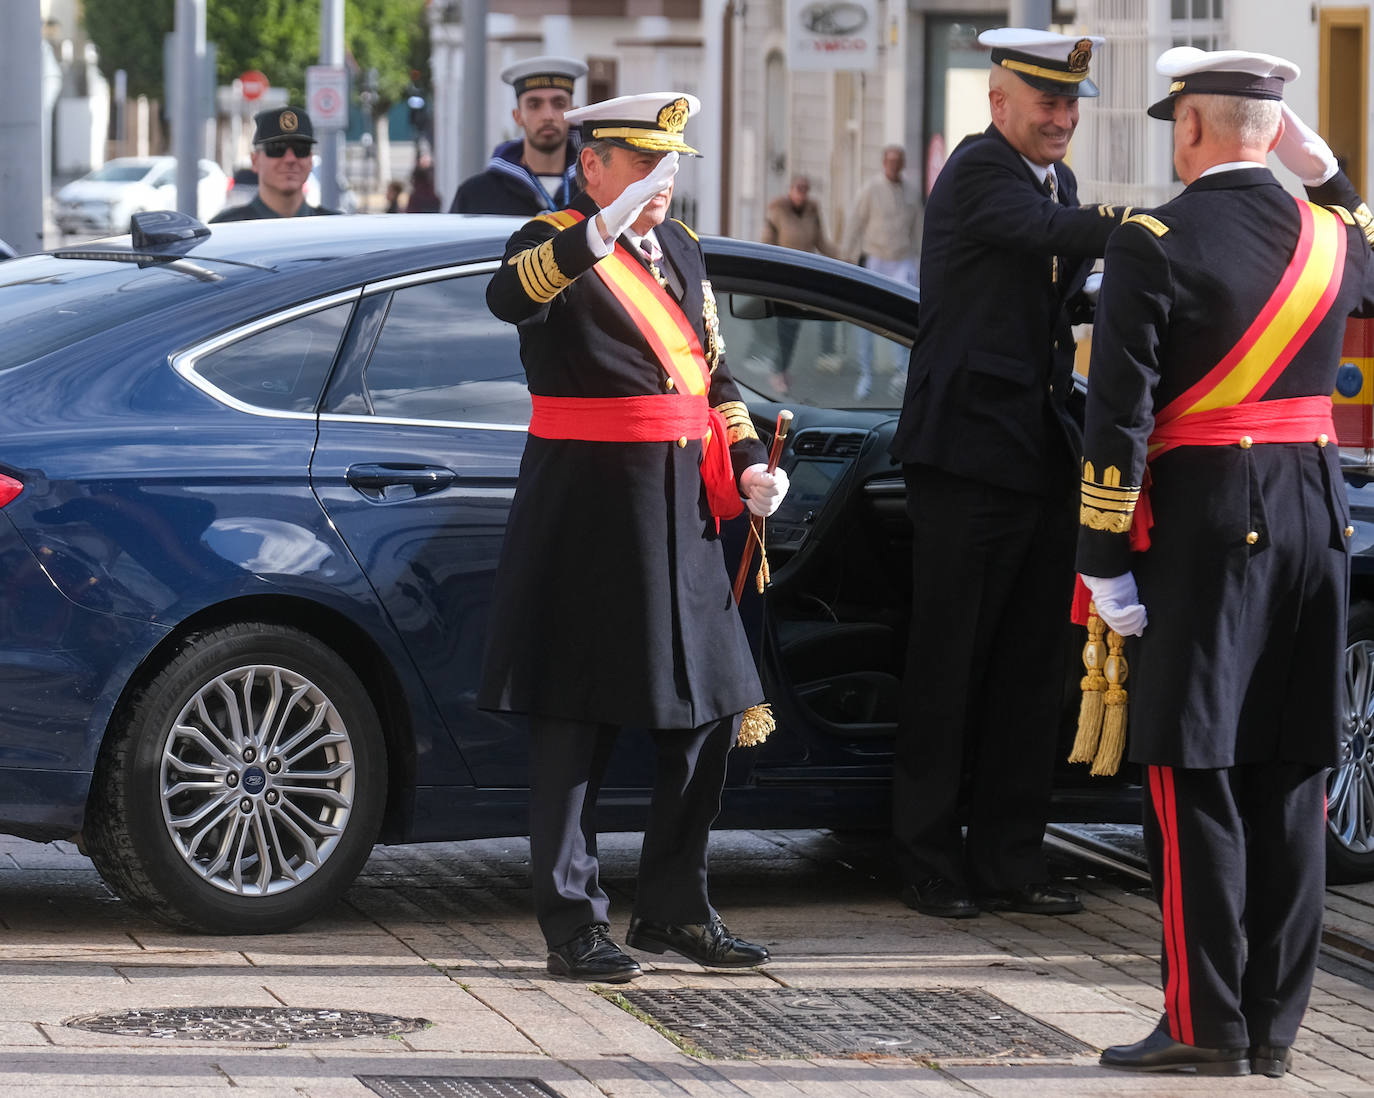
x: 441, y: 355
x: 163, y: 177
x: 782, y: 349
x: 281, y: 368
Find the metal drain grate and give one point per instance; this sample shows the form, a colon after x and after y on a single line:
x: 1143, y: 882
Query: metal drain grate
x: 923, y: 1024
x: 246, y: 1023
x: 430, y: 1086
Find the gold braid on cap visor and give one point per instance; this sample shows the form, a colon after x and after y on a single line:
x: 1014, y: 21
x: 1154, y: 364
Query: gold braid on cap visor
x: 1058, y: 75
x: 651, y: 140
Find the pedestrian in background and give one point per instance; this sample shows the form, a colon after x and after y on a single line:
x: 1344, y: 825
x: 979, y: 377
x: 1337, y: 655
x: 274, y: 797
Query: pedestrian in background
x: 537, y: 171
x: 393, y: 196
x: 884, y: 235
x: 1215, y: 352
x: 793, y: 220
x: 423, y: 197
x: 989, y: 454
x: 283, y: 157
x: 612, y: 605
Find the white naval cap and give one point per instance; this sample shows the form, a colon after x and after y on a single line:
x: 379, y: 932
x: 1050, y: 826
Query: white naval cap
x: 1048, y: 62
x: 1220, y: 72
x: 651, y: 122
x: 543, y: 72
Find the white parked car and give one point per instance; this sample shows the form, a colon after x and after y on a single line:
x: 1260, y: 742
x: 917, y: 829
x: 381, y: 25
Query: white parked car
x: 105, y: 199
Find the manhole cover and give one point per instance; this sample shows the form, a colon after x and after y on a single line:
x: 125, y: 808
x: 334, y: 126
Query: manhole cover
x: 246, y: 1023
x: 923, y: 1024
x: 425, y: 1086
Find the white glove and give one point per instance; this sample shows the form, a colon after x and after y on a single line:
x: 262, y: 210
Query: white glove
x: 1092, y: 284
x: 1118, y: 603
x: 621, y: 212
x: 1303, y: 152
x: 762, y: 490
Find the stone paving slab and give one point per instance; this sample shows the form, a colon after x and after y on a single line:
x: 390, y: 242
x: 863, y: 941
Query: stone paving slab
x: 443, y: 931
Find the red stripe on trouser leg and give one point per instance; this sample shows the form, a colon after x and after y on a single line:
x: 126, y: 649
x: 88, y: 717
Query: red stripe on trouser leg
x: 1177, y: 1003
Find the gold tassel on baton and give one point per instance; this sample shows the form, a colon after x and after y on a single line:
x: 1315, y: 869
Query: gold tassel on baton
x: 1101, y: 738
x: 758, y: 719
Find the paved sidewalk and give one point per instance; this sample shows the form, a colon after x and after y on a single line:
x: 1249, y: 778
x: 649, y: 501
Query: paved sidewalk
x: 442, y: 932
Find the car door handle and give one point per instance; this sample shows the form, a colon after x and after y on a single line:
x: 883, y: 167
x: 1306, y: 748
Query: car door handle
x: 379, y: 477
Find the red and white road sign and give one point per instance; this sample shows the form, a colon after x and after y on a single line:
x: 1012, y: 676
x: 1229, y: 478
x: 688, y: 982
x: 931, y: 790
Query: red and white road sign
x: 326, y: 96
x: 254, y: 84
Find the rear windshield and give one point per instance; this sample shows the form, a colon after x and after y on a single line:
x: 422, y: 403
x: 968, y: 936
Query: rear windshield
x: 47, y: 303
x: 116, y: 172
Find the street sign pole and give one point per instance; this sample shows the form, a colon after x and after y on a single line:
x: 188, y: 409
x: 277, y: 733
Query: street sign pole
x: 187, y: 100
x: 331, y: 140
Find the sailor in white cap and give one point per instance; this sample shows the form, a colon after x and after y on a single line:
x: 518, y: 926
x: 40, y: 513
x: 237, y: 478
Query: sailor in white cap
x: 535, y: 172
x: 989, y: 450
x: 612, y: 606
x: 1226, y: 564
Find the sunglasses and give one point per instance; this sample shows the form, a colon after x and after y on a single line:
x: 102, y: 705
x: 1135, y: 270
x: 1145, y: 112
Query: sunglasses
x: 277, y: 149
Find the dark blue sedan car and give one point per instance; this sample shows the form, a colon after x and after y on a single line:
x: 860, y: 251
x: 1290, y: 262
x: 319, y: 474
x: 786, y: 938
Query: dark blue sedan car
x: 253, y: 487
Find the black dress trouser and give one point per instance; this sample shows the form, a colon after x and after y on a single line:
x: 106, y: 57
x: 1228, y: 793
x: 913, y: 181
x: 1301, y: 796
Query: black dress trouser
x: 984, y: 681
x: 567, y: 762
x: 1238, y: 861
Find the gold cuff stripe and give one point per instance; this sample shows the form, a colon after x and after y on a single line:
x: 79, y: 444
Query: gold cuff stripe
x: 1110, y: 522
x: 539, y: 273
x: 738, y: 424
x: 1145, y: 220
x: 1058, y: 75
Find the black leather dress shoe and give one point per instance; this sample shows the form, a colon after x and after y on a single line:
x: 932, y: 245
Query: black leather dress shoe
x: 1270, y: 1060
x: 591, y: 955
x: 940, y: 897
x: 1160, y: 1052
x: 1033, y: 899
x: 708, y: 944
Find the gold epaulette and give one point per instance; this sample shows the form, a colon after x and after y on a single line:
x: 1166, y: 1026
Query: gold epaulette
x: 1111, y: 211
x: 1365, y: 220
x: 1344, y: 214
x: 1105, y: 504
x: 539, y: 273
x: 1153, y: 224
x: 689, y: 230
x: 738, y: 425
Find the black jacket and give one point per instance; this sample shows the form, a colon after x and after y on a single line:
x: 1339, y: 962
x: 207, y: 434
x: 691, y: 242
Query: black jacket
x: 1245, y: 580
x: 257, y: 209
x: 990, y: 371
x: 612, y: 600
x: 506, y: 186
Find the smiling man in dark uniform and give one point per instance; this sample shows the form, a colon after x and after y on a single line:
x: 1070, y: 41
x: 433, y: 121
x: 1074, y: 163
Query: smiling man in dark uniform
x: 537, y: 172
x: 283, y: 155
x: 989, y: 453
x: 612, y: 605
x: 1211, y: 478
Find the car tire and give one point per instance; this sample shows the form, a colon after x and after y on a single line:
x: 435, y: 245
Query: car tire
x: 242, y: 788
x: 1350, y: 785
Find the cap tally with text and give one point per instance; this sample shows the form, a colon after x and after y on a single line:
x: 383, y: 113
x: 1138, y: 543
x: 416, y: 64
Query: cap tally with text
x: 1048, y: 62
x: 1192, y: 71
x: 543, y: 72
x: 282, y: 124
x: 652, y: 122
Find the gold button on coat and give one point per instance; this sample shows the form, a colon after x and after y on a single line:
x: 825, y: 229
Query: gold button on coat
x: 1246, y: 442
x: 668, y: 384
x: 1251, y: 538
x: 1322, y: 440
x: 1350, y: 531
x: 682, y: 442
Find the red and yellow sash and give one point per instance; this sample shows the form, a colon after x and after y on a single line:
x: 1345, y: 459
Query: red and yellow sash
x: 659, y: 417
x: 1226, y: 406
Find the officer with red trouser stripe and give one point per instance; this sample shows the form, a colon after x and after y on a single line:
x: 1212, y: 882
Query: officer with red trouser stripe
x: 1211, y: 479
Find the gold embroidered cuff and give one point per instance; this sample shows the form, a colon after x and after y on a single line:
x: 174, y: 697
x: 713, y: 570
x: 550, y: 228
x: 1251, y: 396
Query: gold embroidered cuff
x: 1107, y: 504
x: 1111, y: 521
x: 539, y: 273
x: 738, y: 425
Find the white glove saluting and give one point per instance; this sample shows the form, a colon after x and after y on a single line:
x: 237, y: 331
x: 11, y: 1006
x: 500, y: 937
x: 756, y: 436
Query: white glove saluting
x: 762, y: 490
x: 1303, y: 152
x: 1118, y: 603
x: 621, y: 212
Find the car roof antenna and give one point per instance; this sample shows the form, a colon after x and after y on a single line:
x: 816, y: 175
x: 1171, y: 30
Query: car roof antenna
x: 154, y: 228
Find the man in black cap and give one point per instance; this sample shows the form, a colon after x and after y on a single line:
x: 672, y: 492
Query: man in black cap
x: 1212, y: 496
x: 612, y: 605
x: 536, y: 172
x: 989, y: 452
x: 283, y: 154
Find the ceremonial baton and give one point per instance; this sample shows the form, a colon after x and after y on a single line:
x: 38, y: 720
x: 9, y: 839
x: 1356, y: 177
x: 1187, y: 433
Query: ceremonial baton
x: 756, y: 521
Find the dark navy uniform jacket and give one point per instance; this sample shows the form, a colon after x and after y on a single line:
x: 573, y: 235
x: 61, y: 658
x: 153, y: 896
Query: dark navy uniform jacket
x: 1245, y: 580
x: 252, y: 211
x: 991, y: 368
x: 506, y: 186
x: 612, y: 599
